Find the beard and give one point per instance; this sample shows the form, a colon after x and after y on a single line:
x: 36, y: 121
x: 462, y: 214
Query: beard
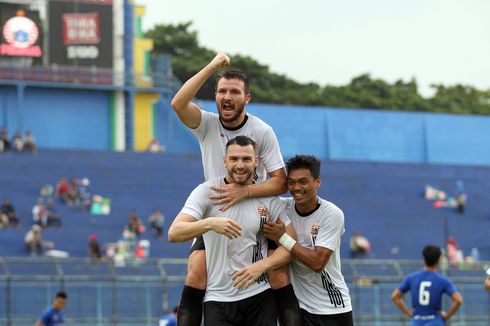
x: 241, y: 179
x: 237, y: 111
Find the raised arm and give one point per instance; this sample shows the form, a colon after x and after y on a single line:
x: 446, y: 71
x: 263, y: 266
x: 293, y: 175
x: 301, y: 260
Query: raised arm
x: 188, y: 112
x: 185, y: 227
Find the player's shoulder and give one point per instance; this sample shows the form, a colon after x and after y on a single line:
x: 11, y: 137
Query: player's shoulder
x: 327, y: 207
x: 258, y: 123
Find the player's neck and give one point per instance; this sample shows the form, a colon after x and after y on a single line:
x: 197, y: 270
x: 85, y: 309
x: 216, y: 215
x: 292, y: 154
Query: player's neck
x: 235, y: 124
x: 431, y: 268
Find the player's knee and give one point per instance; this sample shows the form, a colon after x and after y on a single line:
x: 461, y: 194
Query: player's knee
x: 278, y: 278
x: 196, y: 270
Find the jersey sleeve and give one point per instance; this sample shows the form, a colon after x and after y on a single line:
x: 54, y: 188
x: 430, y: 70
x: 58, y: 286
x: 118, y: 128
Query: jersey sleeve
x: 450, y: 288
x: 201, y: 130
x: 330, y: 229
x: 45, y: 317
x: 405, y: 285
x: 198, y: 202
x: 270, y: 153
x: 278, y: 210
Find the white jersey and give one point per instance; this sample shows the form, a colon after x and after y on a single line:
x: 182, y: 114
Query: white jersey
x: 323, y: 293
x: 224, y: 256
x: 213, y: 136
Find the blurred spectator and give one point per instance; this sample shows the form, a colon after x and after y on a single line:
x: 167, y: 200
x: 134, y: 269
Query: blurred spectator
x: 62, y: 189
x: 29, y: 143
x: 454, y: 255
x: 53, y: 217
x: 135, y: 225
x: 73, y: 195
x: 34, y: 242
x: 8, y: 216
x: 17, y: 142
x: 359, y: 246
x: 155, y: 147
x: 39, y: 214
x: 460, y: 196
x: 486, y: 284
x: 5, y: 145
x: 156, y: 220
x: 94, y: 250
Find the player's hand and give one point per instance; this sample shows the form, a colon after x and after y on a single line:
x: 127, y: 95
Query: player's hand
x: 225, y: 226
x: 229, y: 195
x: 245, y: 277
x: 443, y: 314
x: 274, y: 230
x: 221, y: 60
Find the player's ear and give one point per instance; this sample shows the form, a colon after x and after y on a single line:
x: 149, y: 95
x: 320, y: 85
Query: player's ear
x: 318, y: 182
x: 248, y: 97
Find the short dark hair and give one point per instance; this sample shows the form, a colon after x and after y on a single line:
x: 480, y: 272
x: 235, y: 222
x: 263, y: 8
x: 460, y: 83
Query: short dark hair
x: 241, y: 141
x: 308, y: 162
x: 234, y: 74
x: 61, y: 294
x: 176, y: 309
x: 431, y: 254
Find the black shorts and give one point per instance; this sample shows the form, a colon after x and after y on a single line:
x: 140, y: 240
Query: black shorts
x: 199, y: 244
x: 258, y: 310
x: 343, y: 319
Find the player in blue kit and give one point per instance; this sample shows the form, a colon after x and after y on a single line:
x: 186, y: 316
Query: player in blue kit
x: 427, y: 288
x: 53, y: 316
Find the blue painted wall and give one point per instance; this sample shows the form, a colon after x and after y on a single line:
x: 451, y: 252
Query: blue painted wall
x: 58, y: 118
x: 360, y: 135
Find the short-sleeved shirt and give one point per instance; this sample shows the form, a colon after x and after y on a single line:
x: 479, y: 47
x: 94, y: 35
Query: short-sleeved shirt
x: 325, y: 292
x: 224, y: 256
x: 213, y: 136
x: 51, y: 317
x: 426, y: 288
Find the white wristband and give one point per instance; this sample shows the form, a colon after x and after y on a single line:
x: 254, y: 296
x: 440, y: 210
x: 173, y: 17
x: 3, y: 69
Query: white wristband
x: 287, y: 241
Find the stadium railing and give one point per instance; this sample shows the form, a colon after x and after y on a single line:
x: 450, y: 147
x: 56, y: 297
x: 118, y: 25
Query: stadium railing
x: 138, y: 292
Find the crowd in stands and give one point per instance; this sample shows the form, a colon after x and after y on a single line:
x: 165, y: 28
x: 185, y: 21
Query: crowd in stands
x: 440, y: 198
x: 8, y: 216
x: 19, y: 143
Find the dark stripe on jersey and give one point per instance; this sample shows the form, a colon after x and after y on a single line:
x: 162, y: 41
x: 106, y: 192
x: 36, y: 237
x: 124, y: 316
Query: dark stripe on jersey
x: 238, y: 127
x: 333, y: 293
x: 307, y: 213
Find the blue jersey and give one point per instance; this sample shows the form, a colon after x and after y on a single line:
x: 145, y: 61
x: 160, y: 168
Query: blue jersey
x: 427, y: 289
x: 51, y: 317
x: 168, y: 320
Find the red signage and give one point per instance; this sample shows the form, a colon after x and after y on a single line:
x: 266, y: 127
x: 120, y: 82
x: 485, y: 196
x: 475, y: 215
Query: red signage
x: 81, y: 28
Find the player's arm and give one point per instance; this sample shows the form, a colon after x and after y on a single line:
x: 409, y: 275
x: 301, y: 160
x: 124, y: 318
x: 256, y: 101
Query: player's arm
x: 188, y: 112
x: 397, y: 298
x: 246, y: 276
x: 38, y: 323
x: 185, y: 227
x: 315, y: 259
x: 457, y: 302
x: 233, y: 193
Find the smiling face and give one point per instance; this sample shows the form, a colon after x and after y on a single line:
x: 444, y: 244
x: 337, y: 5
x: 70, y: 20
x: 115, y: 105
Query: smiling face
x: 240, y: 163
x: 303, y: 187
x: 231, y: 99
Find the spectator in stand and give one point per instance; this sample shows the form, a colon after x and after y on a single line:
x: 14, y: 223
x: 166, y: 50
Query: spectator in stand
x: 460, y: 197
x: 486, y: 284
x: 17, y: 143
x: 156, y: 220
x: 39, y: 215
x: 5, y: 145
x: 134, y: 225
x: 359, y: 246
x: 454, y: 255
x: 94, y: 250
x: 62, y: 190
x: 53, y: 217
x: 34, y: 242
x: 29, y: 143
x: 8, y: 214
x: 155, y: 147
x: 73, y: 196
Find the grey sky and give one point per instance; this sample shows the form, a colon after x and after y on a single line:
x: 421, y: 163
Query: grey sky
x: 329, y: 42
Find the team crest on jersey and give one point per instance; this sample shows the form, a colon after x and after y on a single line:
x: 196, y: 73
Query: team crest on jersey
x: 263, y: 212
x: 314, y: 232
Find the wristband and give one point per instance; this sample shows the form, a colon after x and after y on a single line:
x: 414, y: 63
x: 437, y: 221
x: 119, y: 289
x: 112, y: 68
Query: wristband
x: 287, y: 241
